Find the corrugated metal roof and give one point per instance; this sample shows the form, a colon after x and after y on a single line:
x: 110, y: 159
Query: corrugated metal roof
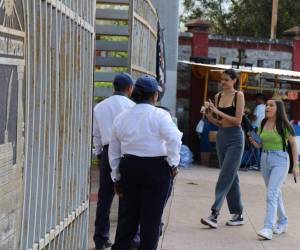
x: 254, y: 70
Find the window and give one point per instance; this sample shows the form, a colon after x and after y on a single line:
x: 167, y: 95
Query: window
x: 260, y: 63
x: 242, y: 56
x: 277, y: 64
x: 222, y: 60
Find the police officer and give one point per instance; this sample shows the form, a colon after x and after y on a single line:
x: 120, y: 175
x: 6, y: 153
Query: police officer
x: 104, y: 115
x: 143, y: 154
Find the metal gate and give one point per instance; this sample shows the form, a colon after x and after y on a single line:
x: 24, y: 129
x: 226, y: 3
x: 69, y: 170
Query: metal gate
x: 58, y: 102
x: 143, y: 38
x: 126, y: 33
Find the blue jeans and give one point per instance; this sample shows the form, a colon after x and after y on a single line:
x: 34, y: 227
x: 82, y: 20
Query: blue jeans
x: 274, y: 169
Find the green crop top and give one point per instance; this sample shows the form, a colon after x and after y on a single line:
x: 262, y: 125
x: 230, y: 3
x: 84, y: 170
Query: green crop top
x: 271, y: 140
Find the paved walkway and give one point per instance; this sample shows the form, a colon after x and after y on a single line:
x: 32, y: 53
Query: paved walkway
x: 192, y: 198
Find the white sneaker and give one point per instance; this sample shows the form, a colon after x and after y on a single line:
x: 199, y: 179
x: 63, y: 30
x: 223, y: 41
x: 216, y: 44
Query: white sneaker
x: 280, y: 229
x: 266, y: 233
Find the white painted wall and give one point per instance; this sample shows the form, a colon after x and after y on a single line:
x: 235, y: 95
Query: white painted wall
x: 269, y: 57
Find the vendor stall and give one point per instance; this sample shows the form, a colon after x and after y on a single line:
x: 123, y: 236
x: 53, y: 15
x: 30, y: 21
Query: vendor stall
x: 279, y: 83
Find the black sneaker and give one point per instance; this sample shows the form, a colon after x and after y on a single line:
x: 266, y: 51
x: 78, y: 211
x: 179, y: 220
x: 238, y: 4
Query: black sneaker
x: 105, y: 245
x: 236, y: 220
x: 210, y: 221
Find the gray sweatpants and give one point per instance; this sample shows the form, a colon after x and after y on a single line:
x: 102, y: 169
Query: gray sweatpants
x: 230, y: 147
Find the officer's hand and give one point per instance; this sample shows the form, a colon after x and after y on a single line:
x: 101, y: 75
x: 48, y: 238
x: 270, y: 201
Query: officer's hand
x: 118, y: 189
x: 174, y: 171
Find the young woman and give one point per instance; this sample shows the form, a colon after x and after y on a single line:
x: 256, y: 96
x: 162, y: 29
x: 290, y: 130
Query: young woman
x: 275, y: 133
x: 227, y: 113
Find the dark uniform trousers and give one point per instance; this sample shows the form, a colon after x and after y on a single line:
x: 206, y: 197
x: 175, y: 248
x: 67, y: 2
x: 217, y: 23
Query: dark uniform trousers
x: 146, y: 183
x: 105, y: 197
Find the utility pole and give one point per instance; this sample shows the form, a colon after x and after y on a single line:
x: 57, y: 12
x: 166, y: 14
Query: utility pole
x: 274, y: 19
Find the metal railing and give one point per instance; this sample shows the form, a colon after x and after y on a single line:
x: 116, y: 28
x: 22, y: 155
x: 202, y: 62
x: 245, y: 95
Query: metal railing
x: 143, y: 38
x: 126, y: 32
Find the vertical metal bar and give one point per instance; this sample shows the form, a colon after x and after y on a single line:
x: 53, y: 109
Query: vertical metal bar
x: 131, y: 21
x: 40, y: 124
x: 52, y: 205
x: 74, y: 132
x: 70, y: 163
x: 66, y: 121
x: 57, y: 121
x: 63, y: 127
x: 80, y: 128
x: 46, y: 166
x: 49, y: 31
x: 27, y: 174
x: 33, y: 132
x: 81, y: 132
x: 60, y: 170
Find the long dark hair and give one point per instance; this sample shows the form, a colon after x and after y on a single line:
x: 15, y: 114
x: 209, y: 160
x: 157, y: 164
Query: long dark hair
x: 283, y: 126
x: 233, y: 76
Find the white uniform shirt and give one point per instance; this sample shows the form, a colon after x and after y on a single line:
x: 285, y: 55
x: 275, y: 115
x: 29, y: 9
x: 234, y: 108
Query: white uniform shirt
x: 144, y: 131
x: 104, y: 114
x: 259, y: 112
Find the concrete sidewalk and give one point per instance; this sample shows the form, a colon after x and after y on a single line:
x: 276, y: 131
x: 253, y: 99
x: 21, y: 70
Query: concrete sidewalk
x: 191, y: 200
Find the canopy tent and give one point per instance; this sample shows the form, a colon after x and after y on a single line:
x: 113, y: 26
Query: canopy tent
x: 212, y: 72
x: 253, y: 70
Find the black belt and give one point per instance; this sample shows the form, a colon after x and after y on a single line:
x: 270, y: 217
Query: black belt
x: 128, y: 156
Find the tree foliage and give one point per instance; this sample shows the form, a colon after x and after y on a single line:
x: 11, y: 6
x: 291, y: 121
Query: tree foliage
x: 243, y: 17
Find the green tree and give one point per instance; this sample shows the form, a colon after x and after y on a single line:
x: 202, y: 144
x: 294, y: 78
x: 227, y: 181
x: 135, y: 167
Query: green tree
x: 214, y: 11
x: 244, y: 17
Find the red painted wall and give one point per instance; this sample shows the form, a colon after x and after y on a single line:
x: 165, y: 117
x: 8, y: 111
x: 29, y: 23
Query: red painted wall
x: 295, y: 111
x: 200, y: 43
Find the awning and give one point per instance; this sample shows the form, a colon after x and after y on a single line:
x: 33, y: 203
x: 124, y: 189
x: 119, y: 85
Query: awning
x: 212, y: 72
x: 253, y: 70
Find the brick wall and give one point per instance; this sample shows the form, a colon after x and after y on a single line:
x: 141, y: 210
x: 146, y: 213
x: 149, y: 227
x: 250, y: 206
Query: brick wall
x: 200, y: 43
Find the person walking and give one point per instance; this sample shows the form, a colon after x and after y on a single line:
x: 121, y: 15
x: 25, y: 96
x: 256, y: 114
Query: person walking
x: 258, y: 115
x: 104, y: 115
x: 259, y: 110
x: 275, y: 133
x: 144, y: 155
x: 227, y: 113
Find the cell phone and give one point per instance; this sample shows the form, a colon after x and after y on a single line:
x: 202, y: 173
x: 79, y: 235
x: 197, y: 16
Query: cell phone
x: 255, y: 137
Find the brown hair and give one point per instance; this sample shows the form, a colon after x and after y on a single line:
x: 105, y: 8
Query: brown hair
x: 283, y: 126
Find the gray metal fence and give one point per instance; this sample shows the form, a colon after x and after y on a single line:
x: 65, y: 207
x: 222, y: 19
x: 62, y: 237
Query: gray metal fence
x: 126, y: 32
x: 58, y: 101
x: 143, y: 38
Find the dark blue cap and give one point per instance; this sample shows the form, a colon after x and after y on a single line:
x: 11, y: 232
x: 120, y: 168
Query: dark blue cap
x: 123, y: 80
x: 148, y: 84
